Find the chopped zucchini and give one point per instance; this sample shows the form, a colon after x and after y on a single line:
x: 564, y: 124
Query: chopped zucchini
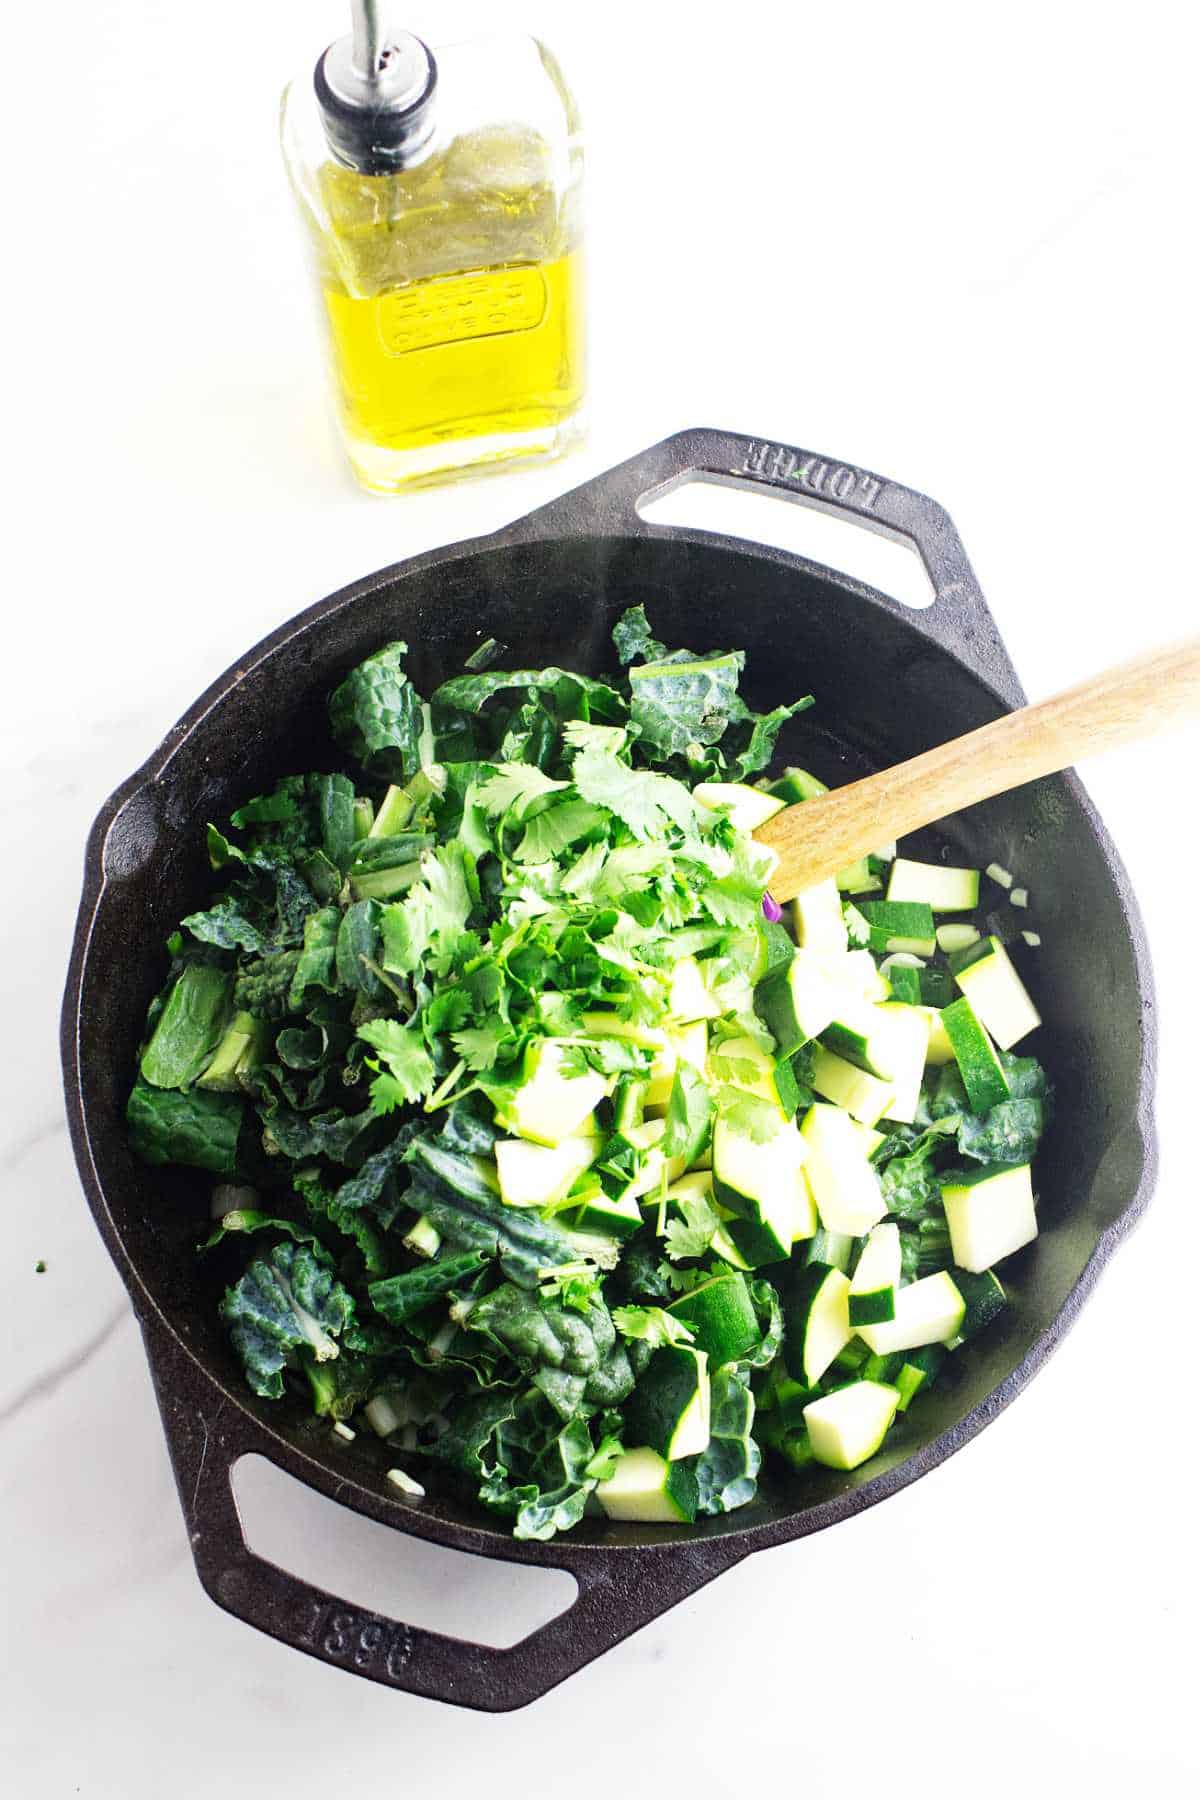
x: 941, y: 888
x: 816, y: 1320
x: 986, y: 976
x: 990, y: 1213
x: 982, y: 1072
x: 817, y: 918
x: 876, y: 1278
x: 848, y: 1426
x: 843, y: 1183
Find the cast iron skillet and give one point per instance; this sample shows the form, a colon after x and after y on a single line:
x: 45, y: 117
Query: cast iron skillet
x: 889, y: 682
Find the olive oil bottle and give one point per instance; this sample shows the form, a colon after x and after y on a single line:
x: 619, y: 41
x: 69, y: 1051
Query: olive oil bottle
x: 441, y: 196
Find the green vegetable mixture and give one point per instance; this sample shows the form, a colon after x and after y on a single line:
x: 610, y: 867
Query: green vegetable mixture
x: 541, y: 1147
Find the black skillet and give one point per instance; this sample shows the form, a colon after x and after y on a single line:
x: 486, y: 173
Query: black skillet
x: 889, y: 682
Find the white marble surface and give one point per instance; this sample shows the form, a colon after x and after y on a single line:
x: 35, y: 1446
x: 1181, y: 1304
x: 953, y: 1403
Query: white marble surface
x: 950, y: 244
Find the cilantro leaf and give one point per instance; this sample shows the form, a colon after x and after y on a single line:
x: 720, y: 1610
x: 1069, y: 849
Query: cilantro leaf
x: 645, y: 802
x: 513, y: 787
x: 409, y: 1067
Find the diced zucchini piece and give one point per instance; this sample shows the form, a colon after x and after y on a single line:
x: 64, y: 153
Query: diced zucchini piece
x: 689, y: 998
x: 843, y: 1183
x: 904, y: 1055
x: 669, y: 1407
x: 848, y: 1426
x: 868, y: 1137
x: 859, y: 1034
x: 550, y: 1105
x: 816, y: 1320
x: 939, y: 1050
x: 865, y: 1097
x: 832, y: 1247
x: 856, y: 971
x: 980, y: 1067
x: 900, y: 925
x: 929, y: 1311
x: 601, y: 1213
x: 817, y: 918
x: 763, y: 1185
x: 859, y: 878
x: 646, y: 1489
x: 917, y: 1370
x: 983, y: 1297
x: 539, y: 1174
x: 795, y: 785
x: 721, y: 1317
x: 748, y: 807
x: 941, y: 888
x: 798, y: 1003
x: 990, y: 1213
x: 986, y: 976
x: 875, y: 1281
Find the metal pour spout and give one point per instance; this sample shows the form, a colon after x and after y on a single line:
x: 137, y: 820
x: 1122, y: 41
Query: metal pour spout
x: 376, y: 88
x: 367, y: 33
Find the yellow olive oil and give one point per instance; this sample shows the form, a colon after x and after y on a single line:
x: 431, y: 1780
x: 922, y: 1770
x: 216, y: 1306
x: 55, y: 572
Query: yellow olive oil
x: 490, y: 354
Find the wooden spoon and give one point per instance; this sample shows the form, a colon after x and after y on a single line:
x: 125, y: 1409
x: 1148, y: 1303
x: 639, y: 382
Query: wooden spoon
x: 821, y: 836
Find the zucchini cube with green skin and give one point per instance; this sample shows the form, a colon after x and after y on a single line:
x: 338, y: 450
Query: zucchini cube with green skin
x: 860, y: 1034
x: 720, y: 1314
x: 983, y: 1297
x: 849, y: 1425
x: 981, y: 1070
x: 905, y: 1049
x: 900, y: 925
x: 939, y: 1049
x: 929, y: 1311
x: 877, y: 1277
x: 941, y: 889
x: 1000, y: 999
x: 798, y: 1003
x: 551, y: 1105
x: 762, y: 1184
x: 795, y: 785
x: 669, y: 1408
x: 817, y: 918
x: 844, y: 1185
x: 748, y: 807
x: 606, y: 1215
x: 540, y: 1174
x: 990, y: 1213
x: 865, y: 1097
x: 816, y: 1320
x: 740, y: 1062
x: 646, y: 1489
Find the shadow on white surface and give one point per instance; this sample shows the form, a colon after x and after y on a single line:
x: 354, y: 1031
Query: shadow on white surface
x: 766, y: 517
x: 371, y: 1565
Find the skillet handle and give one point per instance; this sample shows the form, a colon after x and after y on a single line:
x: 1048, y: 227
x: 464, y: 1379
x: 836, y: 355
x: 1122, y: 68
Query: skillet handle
x: 618, y: 1591
x: 958, y: 620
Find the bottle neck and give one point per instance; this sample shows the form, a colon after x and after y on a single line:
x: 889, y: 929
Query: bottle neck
x: 376, y: 91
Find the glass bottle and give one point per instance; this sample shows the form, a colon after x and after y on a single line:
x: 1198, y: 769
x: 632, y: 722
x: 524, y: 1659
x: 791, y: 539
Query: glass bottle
x: 441, y: 196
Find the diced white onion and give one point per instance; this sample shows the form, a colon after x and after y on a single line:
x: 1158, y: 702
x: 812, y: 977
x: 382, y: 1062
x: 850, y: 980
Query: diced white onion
x: 382, y: 1416
x: 1032, y: 938
x: 406, y: 1484
x: 1020, y: 897
x: 998, y: 874
x: 900, y: 959
x: 342, y: 1430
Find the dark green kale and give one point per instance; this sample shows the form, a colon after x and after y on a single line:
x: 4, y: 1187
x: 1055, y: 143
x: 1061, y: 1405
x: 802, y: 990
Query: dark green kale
x: 287, y: 1311
x: 376, y: 715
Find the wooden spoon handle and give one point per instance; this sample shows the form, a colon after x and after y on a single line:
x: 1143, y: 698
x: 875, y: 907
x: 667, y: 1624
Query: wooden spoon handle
x: 819, y: 837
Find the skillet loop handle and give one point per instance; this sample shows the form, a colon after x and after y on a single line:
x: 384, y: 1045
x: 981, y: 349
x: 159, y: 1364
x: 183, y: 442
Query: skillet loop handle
x: 959, y: 619
x: 617, y: 1592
